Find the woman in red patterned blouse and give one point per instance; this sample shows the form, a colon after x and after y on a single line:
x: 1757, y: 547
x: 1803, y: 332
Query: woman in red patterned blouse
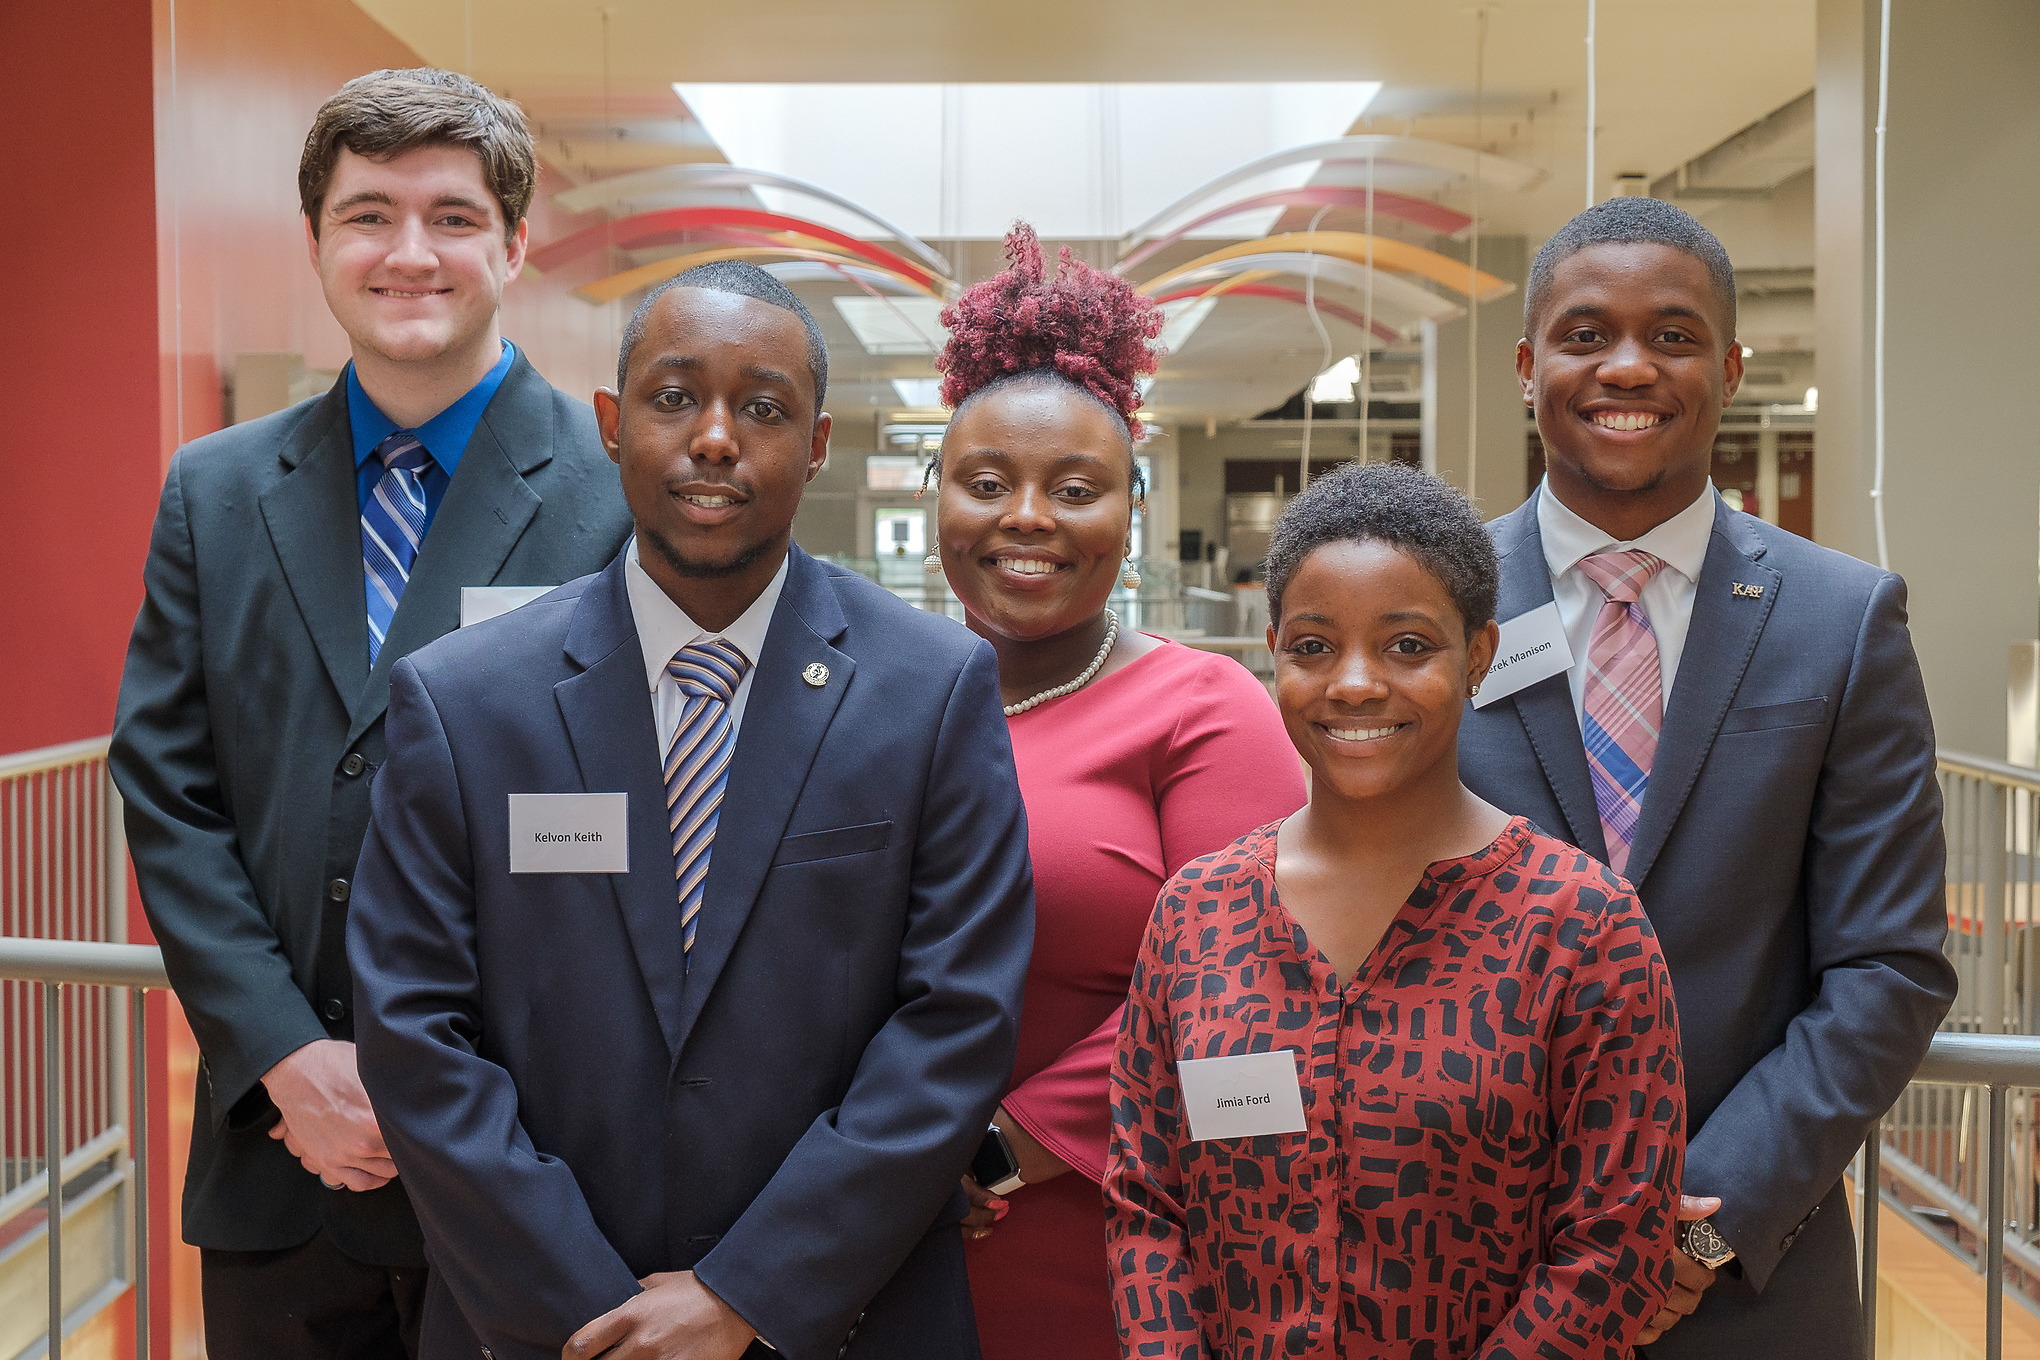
x: 1469, y: 1022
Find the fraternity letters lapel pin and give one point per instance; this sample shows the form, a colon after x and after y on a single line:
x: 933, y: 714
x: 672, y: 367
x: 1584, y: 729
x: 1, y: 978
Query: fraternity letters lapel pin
x: 816, y: 674
x: 1745, y: 592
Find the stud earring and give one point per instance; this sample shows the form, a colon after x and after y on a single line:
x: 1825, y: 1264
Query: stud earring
x: 1130, y: 578
x: 932, y: 564
x: 1473, y: 690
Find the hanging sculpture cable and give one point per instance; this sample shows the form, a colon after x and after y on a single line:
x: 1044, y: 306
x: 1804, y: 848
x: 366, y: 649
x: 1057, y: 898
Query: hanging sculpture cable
x: 1367, y: 352
x: 1877, y: 295
x: 1473, y: 262
x: 1593, y: 93
x: 1324, y: 340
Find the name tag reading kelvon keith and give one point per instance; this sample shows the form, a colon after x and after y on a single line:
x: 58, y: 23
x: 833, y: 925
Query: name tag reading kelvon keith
x: 1242, y: 1096
x: 569, y: 833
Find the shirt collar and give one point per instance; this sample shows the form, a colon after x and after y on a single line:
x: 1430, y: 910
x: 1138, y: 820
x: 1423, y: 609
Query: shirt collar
x: 1681, y: 540
x: 663, y: 627
x: 445, y: 436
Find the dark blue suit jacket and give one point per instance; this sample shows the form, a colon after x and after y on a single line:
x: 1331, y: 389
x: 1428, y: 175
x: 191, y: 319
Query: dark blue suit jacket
x: 790, y: 1117
x: 1789, y: 854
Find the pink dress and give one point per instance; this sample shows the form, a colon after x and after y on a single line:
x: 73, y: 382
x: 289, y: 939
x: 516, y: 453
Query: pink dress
x: 1173, y: 756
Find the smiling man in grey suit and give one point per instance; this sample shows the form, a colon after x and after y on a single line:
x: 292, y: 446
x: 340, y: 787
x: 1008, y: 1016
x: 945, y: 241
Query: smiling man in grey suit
x: 295, y: 559
x: 1733, y: 719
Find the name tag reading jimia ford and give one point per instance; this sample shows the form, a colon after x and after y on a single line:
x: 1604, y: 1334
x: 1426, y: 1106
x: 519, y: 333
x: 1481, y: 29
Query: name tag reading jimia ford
x: 569, y: 833
x: 1242, y: 1096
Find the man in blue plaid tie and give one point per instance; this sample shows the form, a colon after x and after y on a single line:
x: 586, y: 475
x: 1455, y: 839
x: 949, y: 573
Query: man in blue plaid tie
x: 318, y: 545
x: 690, y: 933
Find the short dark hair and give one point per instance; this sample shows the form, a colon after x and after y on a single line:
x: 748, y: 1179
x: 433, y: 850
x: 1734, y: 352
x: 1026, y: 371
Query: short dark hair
x: 745, y: 280
x: 386, y: 113
x: 1399, y: 505
x: 1632, y: 221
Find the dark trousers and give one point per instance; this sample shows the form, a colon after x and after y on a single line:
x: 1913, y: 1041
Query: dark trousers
x: 311, y: 1302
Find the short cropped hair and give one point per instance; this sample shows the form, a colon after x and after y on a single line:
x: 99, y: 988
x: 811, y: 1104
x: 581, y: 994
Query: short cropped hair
x: 745, y: 280
x: 1632, y: 221
x: 1399, y: 505
x: 386, y: 113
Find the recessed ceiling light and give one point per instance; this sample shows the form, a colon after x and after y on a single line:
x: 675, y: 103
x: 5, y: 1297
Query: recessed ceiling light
x: 919, y: 391
x: 906, y: 325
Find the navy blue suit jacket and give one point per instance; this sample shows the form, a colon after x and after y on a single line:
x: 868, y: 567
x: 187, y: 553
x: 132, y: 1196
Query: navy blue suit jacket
x: 789, y: 1117
x: 1789, y: 854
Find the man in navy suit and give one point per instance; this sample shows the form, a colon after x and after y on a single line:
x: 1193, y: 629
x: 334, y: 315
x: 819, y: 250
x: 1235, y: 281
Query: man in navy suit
x: 690, y: 930
x: 1757, y: 759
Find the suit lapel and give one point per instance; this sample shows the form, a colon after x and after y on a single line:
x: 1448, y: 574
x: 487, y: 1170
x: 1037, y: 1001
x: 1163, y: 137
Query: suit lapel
x: 1546, y: 708
x: 1719, y: 643
x: 607, y: 710
x: 785, y: 719
x: 314, y: 521
x: 483, y: 514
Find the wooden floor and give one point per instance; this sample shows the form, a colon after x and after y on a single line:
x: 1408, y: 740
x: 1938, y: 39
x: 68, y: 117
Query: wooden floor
x: 1930, y: 1305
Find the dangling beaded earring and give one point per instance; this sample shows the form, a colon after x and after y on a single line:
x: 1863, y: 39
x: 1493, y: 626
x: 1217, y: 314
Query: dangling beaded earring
x: 932, y: 564
x: 1130, y: 578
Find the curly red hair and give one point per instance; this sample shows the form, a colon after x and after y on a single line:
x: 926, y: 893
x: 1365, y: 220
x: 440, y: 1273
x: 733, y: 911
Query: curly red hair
x: 1087, y: 326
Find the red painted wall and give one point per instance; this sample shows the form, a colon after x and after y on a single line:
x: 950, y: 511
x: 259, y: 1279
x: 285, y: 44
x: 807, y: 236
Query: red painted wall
x: 79, y: 453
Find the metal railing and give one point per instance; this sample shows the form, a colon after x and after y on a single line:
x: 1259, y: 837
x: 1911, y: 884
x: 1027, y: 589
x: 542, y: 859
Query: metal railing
x: 72, y: 1142
x: 70, y: 1181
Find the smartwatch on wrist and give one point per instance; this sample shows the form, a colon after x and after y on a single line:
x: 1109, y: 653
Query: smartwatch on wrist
x: 1702, y: 1241
x: 995, y: 1167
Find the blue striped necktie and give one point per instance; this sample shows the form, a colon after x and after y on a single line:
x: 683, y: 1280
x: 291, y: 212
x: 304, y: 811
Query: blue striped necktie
x: 698, y: 766
x: 392, y: 526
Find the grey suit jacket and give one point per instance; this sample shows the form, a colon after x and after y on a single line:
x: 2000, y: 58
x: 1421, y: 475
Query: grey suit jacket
x: 248, y: 727
x: 1789, y: 854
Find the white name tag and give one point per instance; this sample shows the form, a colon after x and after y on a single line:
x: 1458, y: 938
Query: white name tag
x: 486, y: 602
x: 569, y: 833
x: 1242, y: 1096
x: 1533, y: 648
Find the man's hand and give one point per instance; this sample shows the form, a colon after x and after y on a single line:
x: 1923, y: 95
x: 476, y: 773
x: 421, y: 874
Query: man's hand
x: 327, y: 1123
x: 676, y: 1318
x: 1690, y: 1279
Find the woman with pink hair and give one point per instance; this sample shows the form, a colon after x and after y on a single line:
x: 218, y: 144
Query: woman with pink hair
x: 1135, y: 754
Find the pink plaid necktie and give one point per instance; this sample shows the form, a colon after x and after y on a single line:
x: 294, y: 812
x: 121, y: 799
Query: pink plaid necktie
x: 1625, y: 697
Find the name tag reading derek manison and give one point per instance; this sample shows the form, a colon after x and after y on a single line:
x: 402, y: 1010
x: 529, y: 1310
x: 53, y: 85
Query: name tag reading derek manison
x: 569, y: 833
x: 1242, y: 1096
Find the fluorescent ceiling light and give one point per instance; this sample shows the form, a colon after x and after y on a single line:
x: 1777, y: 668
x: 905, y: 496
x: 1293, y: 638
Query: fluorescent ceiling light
x: 1077, y: 161
x: 1335, y: 384
x: 1812, y: 399
x: 906, y: 325
x: 919, y: 391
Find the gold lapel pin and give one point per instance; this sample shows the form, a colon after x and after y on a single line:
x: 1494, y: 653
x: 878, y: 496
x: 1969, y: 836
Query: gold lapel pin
x: 816, y: 674
x: 1746, y: 592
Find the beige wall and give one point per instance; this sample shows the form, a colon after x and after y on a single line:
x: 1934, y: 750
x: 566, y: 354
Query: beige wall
x: 1962, y: 476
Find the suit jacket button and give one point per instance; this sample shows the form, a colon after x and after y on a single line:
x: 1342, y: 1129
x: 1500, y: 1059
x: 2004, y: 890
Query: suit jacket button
x: 338, y: 890
x: 336, y: 1009
x: 353, y: 765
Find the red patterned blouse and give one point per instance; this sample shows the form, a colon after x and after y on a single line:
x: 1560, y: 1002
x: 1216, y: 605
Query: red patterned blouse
x: 1495, y: 1120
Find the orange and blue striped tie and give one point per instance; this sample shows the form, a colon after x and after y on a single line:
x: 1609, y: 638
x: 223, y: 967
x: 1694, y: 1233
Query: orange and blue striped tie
x: 698, y: 766
x: 1624, y: 705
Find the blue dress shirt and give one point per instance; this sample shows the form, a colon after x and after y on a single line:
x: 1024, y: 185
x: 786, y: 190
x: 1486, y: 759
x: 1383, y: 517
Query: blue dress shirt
x: 445, y: 436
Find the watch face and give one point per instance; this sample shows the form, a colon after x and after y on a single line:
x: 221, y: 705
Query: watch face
x: 1706, y: 1245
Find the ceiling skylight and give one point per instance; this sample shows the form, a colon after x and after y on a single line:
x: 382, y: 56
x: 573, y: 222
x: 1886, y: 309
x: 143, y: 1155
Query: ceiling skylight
x: 1078, y: 161
x: 903, y: 325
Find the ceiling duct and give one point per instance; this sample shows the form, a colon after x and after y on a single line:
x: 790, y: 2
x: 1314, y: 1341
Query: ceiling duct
x: 1749, y: 164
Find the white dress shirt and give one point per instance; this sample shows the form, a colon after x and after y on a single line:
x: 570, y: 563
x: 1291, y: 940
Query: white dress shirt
x: 663, y: 628
x: 1667, y: 601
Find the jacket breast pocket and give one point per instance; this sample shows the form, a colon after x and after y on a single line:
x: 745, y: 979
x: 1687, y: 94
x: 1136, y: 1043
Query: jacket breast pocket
x: 1769, y: 717
x: 833, y: 844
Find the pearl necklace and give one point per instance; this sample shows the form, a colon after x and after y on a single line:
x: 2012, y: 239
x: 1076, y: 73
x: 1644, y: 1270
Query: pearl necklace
x: 1111, y: 636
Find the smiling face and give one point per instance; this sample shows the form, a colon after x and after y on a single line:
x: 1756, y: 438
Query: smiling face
x: 413, y: 254
x: 1628, y: 366
x: 1036, y: 508
x: 716, y: 434
x: 1372, y: 668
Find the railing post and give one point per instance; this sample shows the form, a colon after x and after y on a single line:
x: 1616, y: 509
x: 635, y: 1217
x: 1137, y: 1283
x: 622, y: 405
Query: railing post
x: 1994, y: 1231
x: 53, y: 1159
x: 1867, y: 1200
x: 138, y: 1141
x: 1991, y: 834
